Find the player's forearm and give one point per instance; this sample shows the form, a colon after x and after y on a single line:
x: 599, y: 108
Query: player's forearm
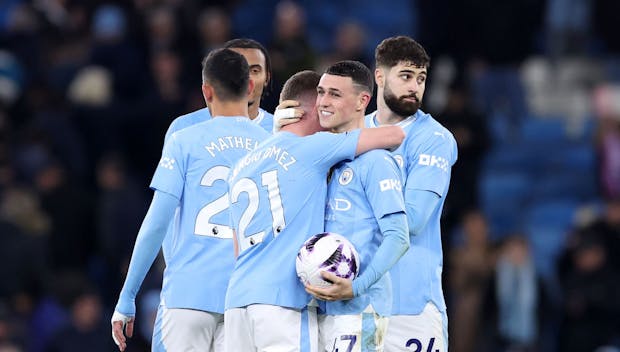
x: 395, y: 243
x: 420, y: 206
x: 385, y: 137
x: 148, y: 243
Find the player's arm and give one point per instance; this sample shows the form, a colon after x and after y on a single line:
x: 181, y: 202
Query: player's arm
x: 389, y: 209
x: 384, y: 137
x: 427, y: 179
x: 395, y: 243
x: 148, y: 243
x: 420, y: 206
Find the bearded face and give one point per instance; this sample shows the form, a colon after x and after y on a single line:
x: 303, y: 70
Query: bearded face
x: 404, y: 105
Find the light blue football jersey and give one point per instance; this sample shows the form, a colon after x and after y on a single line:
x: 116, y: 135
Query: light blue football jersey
x: 426, y: 157
x: 359, y: 193
x: 264, y: 120
x: 194, y: 167
x: 277, y: 197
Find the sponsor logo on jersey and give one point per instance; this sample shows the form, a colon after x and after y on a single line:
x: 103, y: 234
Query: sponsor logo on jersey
x: 339, y: 204
x: 390, y: 184
x: 167, y: 163
x: 433, y: 160
x: 346, y: 176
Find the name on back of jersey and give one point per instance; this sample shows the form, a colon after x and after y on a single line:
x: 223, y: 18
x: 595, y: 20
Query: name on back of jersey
x: 281, y: 156
x: 228, y: 142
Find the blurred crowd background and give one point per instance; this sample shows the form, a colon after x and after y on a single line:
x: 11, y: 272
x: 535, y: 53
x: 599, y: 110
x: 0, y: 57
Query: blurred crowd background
x: 529, y: 88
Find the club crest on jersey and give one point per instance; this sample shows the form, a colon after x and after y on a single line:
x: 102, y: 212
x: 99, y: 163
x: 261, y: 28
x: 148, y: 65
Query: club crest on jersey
x: 346, y: 176
x: 167, y: 163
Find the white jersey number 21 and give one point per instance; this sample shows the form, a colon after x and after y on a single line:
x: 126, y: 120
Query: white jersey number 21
x: 269, y: 180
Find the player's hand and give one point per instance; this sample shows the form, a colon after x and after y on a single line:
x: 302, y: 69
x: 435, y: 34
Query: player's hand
x: 341, y: 289
x: 286, y: 113
x: 121, y: 324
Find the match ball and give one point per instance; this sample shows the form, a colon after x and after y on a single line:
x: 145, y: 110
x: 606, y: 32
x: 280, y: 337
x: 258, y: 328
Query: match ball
x: 326, y: 252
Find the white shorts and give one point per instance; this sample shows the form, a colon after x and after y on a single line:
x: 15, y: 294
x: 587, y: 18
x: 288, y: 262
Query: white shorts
x: 427, y: 331
x: 267, y: 328
x: 352, y: 333
x: 187, y: 330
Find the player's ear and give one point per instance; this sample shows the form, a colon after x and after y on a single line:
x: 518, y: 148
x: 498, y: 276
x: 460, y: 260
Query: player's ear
x: 207, y: 92
x: 363, y: 101
x: 380, y: 77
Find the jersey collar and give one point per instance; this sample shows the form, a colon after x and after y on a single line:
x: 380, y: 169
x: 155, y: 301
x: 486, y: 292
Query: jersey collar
x: 260, y: 116
x: 404, y: 123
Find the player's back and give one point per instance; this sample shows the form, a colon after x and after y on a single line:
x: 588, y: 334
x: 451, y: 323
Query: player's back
x: 264, y: 120
x: 279, y: 191
x: 360, y: 192
x: 194, y: 167
x: 426, y: 157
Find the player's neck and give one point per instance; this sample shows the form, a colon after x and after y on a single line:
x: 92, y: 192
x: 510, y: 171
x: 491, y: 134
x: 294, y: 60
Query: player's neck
x: 357, y: 122
x: 384, y: 115
x: 253, y: 110
x: 229, y: 108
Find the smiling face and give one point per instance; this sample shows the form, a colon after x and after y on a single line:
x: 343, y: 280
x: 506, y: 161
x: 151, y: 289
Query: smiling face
x: 403, y: 87
x: 340, y: 103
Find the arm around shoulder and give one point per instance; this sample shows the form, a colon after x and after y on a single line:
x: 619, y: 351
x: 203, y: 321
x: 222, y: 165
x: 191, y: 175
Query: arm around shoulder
x: 384, y: 137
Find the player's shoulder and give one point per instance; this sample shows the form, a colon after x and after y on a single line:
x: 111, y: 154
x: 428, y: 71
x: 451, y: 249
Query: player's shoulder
x: 434, y: 129
x: 190, y: 119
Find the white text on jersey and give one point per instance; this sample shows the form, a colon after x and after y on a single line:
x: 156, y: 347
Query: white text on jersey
x: 227, y: 142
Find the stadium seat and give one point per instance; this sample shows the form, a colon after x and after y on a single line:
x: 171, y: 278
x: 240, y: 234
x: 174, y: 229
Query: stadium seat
x: 511, y: 158
x: 543, y: 130
x: 564, y: 184
x: 502, y: 196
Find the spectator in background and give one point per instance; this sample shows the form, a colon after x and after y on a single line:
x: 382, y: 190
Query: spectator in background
x: 162, y: 29
x: 469, y: 130
x: 214, y: 29
x: 166, y: 96
x: 471, y: 274
x: 591, y: 291
x: 290, y: 49
x: 120, y: 208
x: 517, y: 296
x: 70, y: 209
x: 348, y: 44
x: 114, y: 49
x: 606, y: 101
x: 86, y: 324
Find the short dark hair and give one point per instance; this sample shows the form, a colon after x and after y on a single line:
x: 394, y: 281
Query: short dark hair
x: 228, y: 72
x: 401, y: 48
x: 299, y: 84
x: 246, y: 43
x: 359, y: 73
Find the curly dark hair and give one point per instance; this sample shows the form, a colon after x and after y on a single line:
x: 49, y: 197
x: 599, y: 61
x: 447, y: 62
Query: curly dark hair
x: 401, y: 48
